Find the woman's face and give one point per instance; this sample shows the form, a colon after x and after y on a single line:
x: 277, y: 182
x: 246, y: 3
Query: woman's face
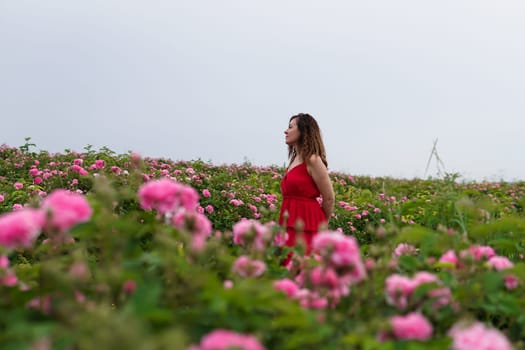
x: 292, y: 133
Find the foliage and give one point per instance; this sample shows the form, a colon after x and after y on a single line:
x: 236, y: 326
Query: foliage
x: 130, y: 280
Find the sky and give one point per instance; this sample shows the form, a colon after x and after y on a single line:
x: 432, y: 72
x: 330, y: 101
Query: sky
x: 219, y: 80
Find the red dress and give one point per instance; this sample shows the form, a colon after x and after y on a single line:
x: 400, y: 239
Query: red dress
x: 300, y: 202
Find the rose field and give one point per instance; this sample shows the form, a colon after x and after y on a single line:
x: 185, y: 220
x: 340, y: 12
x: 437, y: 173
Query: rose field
x: 100, y: 250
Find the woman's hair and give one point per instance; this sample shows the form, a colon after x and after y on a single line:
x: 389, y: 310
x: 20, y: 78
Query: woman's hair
x: 310, y: 140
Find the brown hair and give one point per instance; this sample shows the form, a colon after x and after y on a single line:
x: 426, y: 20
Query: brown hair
x: 310, y: 140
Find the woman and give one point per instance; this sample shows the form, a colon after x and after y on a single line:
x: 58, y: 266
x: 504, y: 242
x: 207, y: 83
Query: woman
x: 305, y: 180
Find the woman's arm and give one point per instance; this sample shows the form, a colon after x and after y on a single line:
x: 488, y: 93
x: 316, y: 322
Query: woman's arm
x: 321, y: 178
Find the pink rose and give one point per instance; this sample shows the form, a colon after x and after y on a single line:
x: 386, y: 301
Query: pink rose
x: 236, y: 202
x: 19, y: 229
x: 129, y: 287
x: 398, y: 289
x: 479, y: 252
x: 340, y: 251
x: 250, y: 233
x: 404, y: 249
x: 67, y: 209
x: 511, y: 282
x: 245, y: 267
x: 287, y: 286
x: 4, y: 262
x: 500, y: 263
x: 221, y: 339
x: 477, y: 336
x: 449, y: 257
x: 10, y: 280
x: 413, y: 326
x: 167, y: 196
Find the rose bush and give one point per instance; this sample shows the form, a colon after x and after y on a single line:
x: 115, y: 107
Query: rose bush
x: 118, y: 251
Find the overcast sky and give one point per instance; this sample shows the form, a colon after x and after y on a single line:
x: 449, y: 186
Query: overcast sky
x: 218, y: 80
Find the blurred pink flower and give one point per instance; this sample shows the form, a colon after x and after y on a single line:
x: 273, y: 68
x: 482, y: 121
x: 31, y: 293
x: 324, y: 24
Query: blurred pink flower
x: 221, y: 339
x: 280, y: 238
x: 228, y: 284
x: 477, y: 336
x: 79, y: 271
x: 19, y: 229
x: 42, y: 303
x: 341, y: 252
x: 129, y: 287
x: 370, y: 264
x: 511, y: 282
x: 206, y: 193
x: 4, y: 262
x: 253, y: 208
x: 99, y: 164
x: 324, y: 277
x: 404, y: 249
x: 1, y: 198
x: 192, y: 221
x: 500, y: 263
x: 236, y: 202
x: 424, y: 277
x: 287, y: 286
x: 9, y: 280
x: 209, y: 209
x: 479, y: 252
x: 442, y: 296
x: 245, y: 267
x: 400, y: 288
x: 116, y: 170
x: 66, y: 209
x: 167, y: 196
x: 18, y: 185
x: 413, y: 326
x: 449, y: 257
x: 79, y: 169
x: 196, y: 223
x: 247, y: 232
x: 7, y: 276
x: 79, y: 297
x: 311, y: 299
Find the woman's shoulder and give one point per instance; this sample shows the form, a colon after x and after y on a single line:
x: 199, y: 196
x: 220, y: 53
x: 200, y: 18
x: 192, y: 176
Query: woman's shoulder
x: 314, y: 160
x: 315, y: 164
